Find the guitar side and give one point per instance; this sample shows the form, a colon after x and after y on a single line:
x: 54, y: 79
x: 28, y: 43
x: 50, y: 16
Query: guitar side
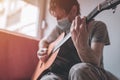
x: 42, y: 66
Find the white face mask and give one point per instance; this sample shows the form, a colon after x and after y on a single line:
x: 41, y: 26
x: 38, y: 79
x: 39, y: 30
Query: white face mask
x: 64, y: 24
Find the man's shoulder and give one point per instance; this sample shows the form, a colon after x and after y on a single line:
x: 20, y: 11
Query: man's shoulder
x: 98, y: 22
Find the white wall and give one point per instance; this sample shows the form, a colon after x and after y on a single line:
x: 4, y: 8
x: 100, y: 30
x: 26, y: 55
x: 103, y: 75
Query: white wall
x: 112, y: 52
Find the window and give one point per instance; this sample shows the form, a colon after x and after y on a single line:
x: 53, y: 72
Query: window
x: 19, y: 16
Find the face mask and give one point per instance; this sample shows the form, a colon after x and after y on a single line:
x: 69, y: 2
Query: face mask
x: 64, y: 24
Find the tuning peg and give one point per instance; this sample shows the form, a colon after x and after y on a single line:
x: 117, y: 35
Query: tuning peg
x: 114, y: 9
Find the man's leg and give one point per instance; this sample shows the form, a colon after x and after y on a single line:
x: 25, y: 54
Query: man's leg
x: 86, y: 71
x: 111, y: 76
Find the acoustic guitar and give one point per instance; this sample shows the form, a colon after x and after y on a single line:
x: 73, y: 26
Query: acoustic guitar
x: 53, y: 48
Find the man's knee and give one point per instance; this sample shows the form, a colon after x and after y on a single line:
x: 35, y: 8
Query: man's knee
x: 80, y: 70
x: 80, y: 67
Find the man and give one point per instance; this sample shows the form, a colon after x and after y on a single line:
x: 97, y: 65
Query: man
x: 89, y: 43
x: 64, y: 13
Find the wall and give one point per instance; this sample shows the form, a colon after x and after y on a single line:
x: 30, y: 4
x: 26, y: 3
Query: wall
x: 18, y: 58
x: 112, y: 52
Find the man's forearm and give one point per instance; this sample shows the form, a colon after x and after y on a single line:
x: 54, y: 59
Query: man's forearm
x: 87, y: 55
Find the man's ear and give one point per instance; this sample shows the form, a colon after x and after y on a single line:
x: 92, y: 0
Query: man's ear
x: 73, y: 12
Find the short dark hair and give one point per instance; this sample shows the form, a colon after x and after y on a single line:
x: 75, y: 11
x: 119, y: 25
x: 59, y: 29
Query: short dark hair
x: 64, y: 4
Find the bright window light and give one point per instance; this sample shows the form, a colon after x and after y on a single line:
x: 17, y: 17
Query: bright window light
x: 19, y: 16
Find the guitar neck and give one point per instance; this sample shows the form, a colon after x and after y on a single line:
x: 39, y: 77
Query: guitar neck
x: 62, y: 42
x: 92, y: 14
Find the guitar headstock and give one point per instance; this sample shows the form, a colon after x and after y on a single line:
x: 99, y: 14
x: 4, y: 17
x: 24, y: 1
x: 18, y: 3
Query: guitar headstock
x: 108, y: 4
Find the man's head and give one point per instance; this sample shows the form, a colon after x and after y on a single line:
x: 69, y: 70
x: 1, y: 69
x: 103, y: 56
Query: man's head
x: 64, y: 8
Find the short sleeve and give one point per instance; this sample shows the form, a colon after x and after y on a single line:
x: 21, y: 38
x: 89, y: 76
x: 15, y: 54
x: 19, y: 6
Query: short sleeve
x: 53, y: 35
x: 100, y: 33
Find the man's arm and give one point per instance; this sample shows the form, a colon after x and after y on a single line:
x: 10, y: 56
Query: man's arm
x: 80, y: 35
x: 91, y: 54
x: 44, y: 44
x: 42, y: 51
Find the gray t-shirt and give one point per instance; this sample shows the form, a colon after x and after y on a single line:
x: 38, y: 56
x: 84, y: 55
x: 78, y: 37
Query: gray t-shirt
x: 99, y: 33
x: 56, y: 33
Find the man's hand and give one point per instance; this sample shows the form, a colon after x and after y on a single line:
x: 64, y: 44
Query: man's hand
x: 80, y: 32
x: 42, y: 54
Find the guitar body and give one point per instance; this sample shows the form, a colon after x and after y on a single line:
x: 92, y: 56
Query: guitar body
x: 41, y: 67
